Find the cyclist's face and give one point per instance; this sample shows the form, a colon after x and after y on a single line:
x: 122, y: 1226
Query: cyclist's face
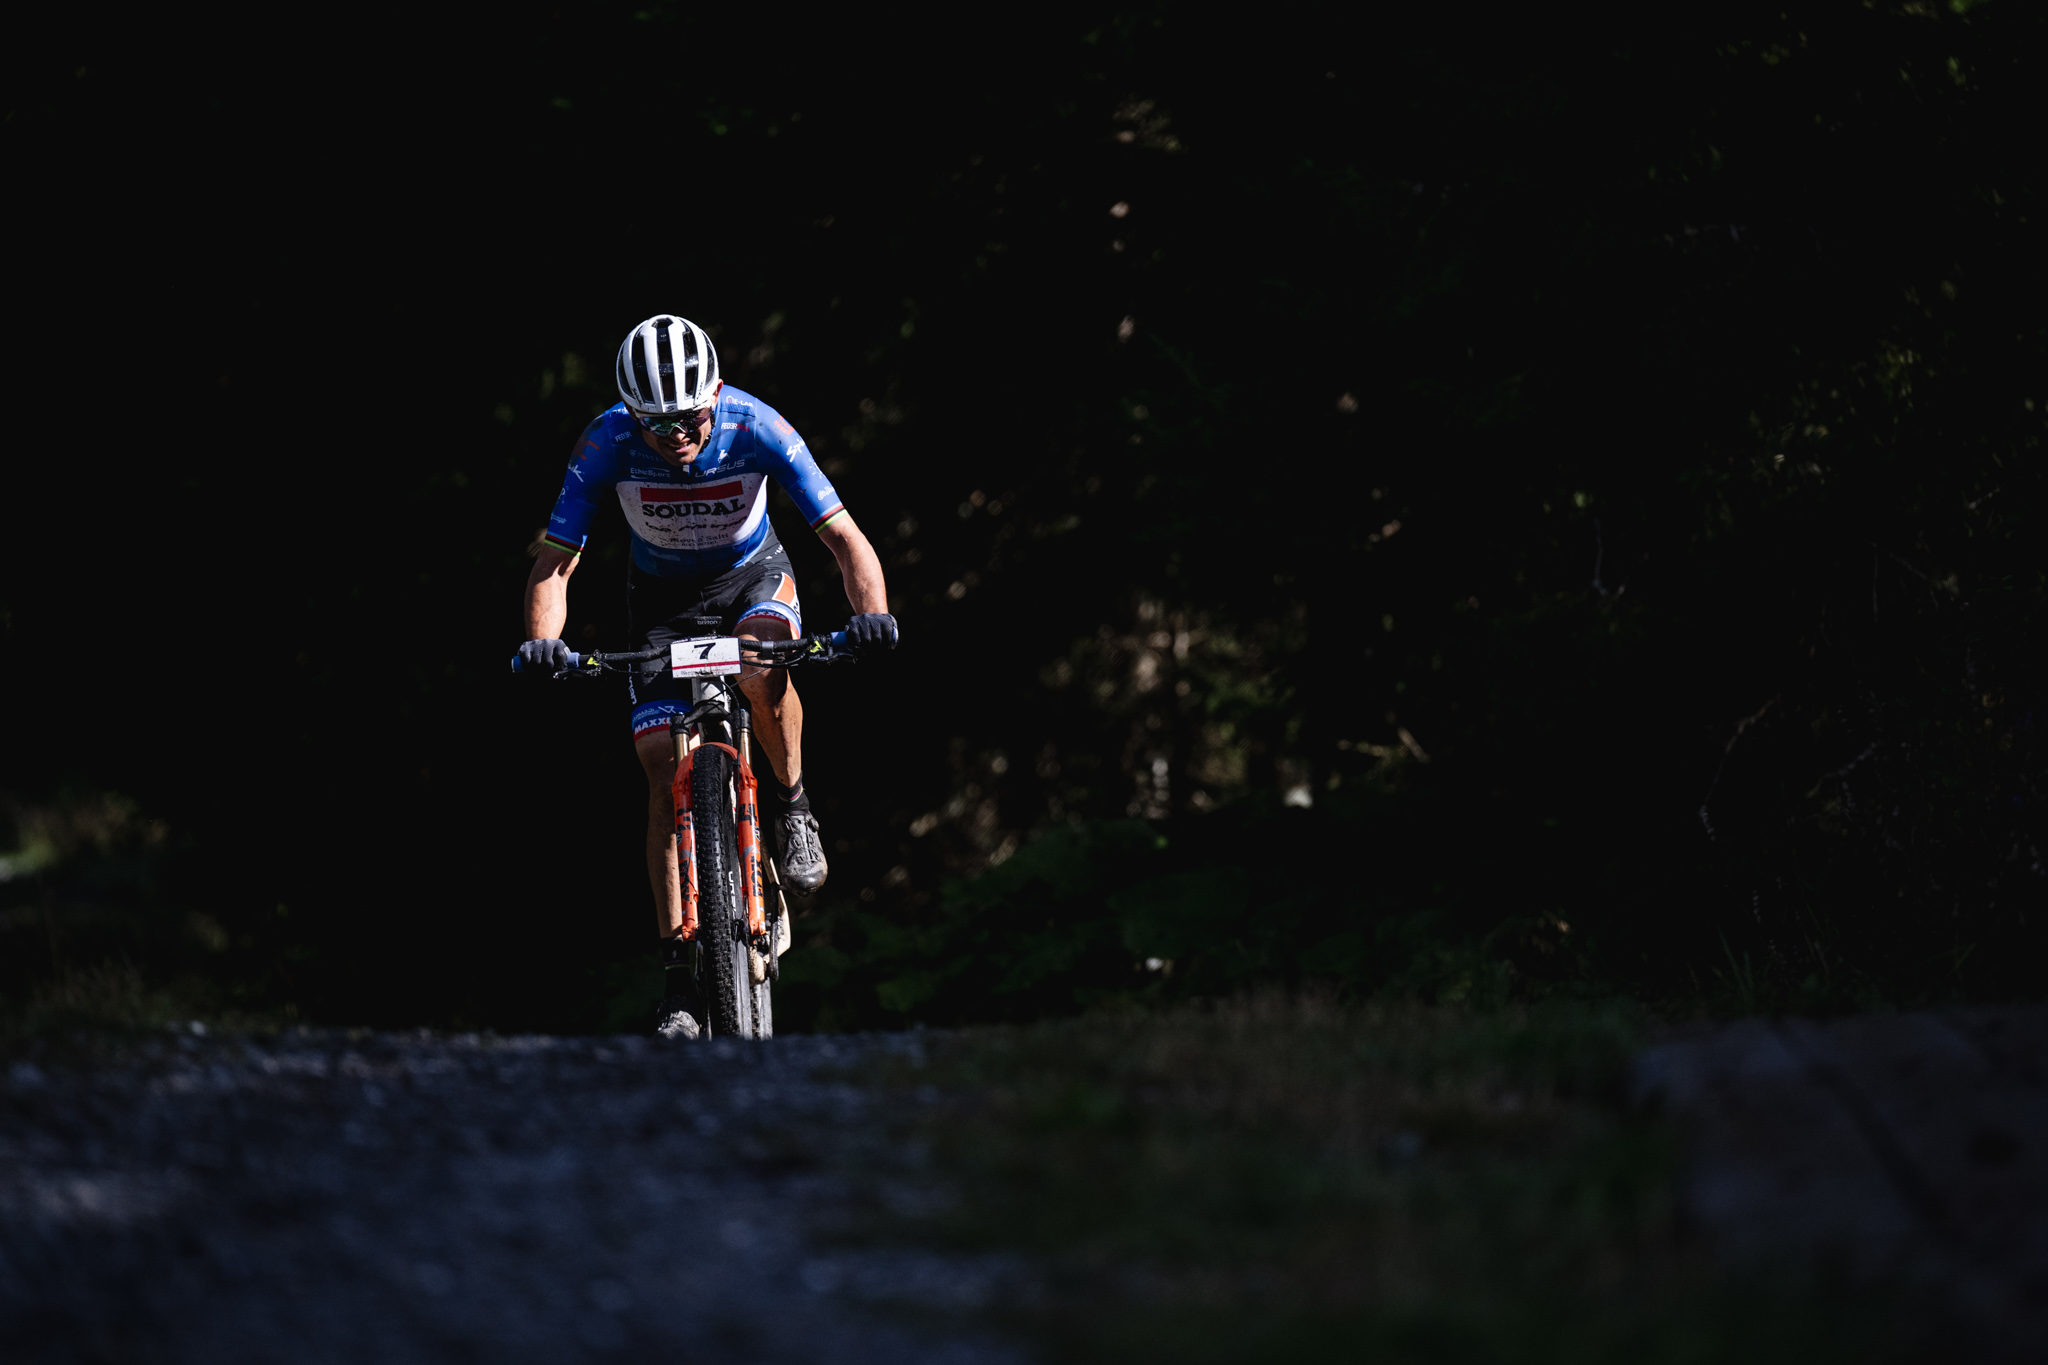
x: 683, y: 445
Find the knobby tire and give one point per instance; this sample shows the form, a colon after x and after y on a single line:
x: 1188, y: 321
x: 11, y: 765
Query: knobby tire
x: 764, y: 1010
x: 720, y: 921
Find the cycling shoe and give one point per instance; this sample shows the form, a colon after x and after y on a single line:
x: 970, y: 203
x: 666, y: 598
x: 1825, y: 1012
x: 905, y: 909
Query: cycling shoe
x: 802, y: 860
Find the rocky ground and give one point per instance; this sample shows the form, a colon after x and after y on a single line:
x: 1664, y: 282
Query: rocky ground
x: 324, y: 1196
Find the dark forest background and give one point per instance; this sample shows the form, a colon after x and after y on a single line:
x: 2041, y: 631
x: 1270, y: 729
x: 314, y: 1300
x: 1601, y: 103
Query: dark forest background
x: 1428, y: 505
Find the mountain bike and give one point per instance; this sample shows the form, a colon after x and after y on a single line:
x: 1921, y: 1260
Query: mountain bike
x: 734, y: 910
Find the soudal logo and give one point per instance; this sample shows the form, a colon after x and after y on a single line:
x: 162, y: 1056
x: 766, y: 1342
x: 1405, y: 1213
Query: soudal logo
x: 667, y: 503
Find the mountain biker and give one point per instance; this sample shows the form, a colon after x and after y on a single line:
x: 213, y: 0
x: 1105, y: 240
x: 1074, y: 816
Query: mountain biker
x: 689, y: 458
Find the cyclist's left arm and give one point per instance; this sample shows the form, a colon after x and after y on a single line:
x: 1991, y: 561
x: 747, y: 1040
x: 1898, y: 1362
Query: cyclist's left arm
x: 797, y: 470
x: 859, y: 567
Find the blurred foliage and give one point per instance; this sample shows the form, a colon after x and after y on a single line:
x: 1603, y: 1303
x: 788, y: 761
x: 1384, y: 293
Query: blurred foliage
x: 1483, y: 510
x: 94, y: 930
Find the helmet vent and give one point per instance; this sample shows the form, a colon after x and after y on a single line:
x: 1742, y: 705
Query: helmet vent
x: 667, y: 363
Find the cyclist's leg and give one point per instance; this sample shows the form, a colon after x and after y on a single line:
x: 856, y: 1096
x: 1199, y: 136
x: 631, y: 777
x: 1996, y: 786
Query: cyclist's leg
x: 767, y: 609
x: 680, y: 1011
x: 656, y: 611
x: 771, y: 698
x: 656, y: 752
x: 779, y: 732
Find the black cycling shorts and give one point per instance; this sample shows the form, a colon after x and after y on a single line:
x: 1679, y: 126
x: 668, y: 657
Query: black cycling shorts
x: 659, y: 610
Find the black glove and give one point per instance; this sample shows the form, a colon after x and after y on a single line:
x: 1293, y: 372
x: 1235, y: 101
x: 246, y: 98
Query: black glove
x: 543, y: 656
x: 876, y: 630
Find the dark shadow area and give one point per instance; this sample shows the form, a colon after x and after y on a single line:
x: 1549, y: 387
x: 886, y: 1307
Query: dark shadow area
x: 1467, y: 511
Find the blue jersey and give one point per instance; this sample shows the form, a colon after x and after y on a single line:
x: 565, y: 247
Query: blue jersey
x: 702, y: 520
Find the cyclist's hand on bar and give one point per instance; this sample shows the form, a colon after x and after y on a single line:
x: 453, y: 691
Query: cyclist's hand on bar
x: 877, y: 630
x: 545, y: 656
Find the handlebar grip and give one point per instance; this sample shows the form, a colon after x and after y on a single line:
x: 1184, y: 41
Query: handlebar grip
x: 838, y: 639
x: 519, y: 664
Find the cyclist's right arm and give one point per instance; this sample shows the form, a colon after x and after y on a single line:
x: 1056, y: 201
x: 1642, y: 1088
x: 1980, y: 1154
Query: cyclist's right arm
x: 547, y: 593
x: 547, y: 586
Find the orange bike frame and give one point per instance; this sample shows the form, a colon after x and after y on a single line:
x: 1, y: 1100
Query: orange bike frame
x: 747, y: 827
x: 745, y: 823
x: 686, y: 835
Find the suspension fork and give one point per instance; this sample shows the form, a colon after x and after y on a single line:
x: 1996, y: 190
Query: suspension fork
x: 747, y: 826
x: 686, y: 831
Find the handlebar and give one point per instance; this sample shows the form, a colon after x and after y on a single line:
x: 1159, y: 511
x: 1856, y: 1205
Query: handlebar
x: 822, y: 648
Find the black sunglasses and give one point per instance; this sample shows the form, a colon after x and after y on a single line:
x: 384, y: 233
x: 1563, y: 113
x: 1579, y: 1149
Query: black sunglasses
x: 667, y: 423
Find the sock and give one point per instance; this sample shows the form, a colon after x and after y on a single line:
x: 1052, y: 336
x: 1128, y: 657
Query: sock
x: 790, y: 796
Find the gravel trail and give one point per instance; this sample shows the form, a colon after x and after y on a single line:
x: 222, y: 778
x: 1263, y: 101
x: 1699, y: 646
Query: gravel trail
x: 329, y: 1196
x: 1906, y: 1150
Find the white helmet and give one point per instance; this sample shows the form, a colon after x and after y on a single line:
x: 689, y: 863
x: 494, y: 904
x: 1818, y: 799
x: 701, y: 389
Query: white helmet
x: 667, y: 364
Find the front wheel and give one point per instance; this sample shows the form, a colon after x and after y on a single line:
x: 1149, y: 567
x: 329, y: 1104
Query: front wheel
x: 721, y: 923
x: 764, y: 1009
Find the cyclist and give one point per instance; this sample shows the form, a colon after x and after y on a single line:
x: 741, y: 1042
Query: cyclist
x: 689, y: 458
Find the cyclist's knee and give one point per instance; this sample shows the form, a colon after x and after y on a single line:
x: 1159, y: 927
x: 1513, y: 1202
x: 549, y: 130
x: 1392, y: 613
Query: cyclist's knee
x: 658, y: 760
x: 765, y: 686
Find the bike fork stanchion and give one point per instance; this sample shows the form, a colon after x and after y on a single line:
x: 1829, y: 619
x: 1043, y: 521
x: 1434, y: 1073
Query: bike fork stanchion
x: 777, y: 908
x: 747, y: 828
x: 686, y: 829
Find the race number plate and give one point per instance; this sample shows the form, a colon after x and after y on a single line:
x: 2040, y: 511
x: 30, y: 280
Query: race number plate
x: 705, y: 658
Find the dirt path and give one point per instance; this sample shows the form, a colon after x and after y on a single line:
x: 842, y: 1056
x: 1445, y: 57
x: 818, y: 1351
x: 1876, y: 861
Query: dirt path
x: 393, y: 1198
x: 324, y: 1196
x: 1907, y: 1149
